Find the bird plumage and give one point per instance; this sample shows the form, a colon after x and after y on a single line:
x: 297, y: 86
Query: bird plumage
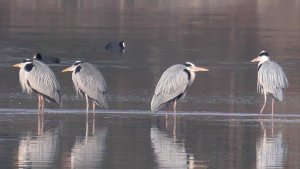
x: 271, y: 79
x: 39, y: 79
x: 88, y: 80
x: 172, y: 86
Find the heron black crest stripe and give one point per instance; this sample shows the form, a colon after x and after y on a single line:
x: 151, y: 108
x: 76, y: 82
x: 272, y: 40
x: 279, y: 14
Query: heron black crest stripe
x: 78, y: 68
x: 77, y: 63
x: 259, y: 66
x: 188, y: 73
x: 263, y: 53
x: 187, y: 64
x: 28, y: 67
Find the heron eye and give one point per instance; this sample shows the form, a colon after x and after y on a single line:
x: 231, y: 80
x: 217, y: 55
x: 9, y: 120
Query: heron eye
x: 77, y: 69
x: 264, y: 53
x: 187, y: 65
x: 28, y: 67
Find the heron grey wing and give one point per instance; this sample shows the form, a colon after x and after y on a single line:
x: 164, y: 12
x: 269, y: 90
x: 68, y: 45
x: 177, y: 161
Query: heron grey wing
x: 42, y: 80
x: 91, y: 82
x: 45, y: 69
x: 173, y: 82
x: 272, y: 79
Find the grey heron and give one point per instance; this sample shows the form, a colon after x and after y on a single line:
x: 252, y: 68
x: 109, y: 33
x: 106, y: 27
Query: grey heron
x: 173, y: 85
x: 46, y: 60
x: 115, y: 45
x: 271, y: 79
x: 37, y: 77
x: 89, y: 82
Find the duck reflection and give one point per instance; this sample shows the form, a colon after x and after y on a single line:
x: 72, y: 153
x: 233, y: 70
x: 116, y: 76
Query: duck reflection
x: 170, y: 151
x: 270, y: 150
x: 88, y: 152
x: 38, y: 148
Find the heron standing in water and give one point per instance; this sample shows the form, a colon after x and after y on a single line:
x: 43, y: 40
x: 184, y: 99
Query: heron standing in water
x: 37, y: 77
x: 173, y: 85
x: 89, y: 82
x: 271, y: 79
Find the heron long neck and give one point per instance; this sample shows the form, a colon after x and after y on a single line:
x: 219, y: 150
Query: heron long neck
x: 192, y: 78
x: 263, y: 60
x: 260, y: 64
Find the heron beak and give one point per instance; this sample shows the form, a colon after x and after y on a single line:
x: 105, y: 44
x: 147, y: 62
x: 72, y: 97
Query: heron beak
x: 69, y: 69
x: 199, y: 69
x: 256, y: 59
x: 18, y: 65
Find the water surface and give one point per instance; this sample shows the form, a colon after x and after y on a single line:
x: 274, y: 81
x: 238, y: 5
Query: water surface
x: 145, y: 140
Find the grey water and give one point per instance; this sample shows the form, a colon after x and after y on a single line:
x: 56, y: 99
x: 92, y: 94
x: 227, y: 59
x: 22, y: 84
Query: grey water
x: 217, y: 124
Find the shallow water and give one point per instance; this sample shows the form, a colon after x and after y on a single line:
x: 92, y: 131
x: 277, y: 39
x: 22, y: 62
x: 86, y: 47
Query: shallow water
x: 217, y: 124
x: 146, y: 140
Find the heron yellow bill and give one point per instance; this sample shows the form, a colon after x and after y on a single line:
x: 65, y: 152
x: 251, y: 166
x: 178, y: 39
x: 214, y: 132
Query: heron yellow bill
x: 18, y: 65
x: 199, y: 69
x: 69, y: 69
x: 256, y: 59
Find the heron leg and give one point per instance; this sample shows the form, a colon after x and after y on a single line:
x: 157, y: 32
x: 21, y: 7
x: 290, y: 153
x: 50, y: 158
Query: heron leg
x: 265, y: 100
x: 87, y: 103
x: 39, y: 102
x: 94, y: 105
x: 174, y: 106
x: 43, y: 103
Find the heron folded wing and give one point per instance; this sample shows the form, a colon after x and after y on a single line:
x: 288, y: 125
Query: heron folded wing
x: 43, y: 80
x: 173, y: 82
x: 91, y: 82
x: 272, y: 79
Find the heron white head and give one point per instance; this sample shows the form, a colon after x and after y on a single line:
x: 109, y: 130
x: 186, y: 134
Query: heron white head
x: 73, y: 67
x: 191, y: 67
x: 262, y: 57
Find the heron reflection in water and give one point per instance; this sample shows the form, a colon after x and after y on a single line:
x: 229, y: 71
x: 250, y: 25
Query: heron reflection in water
x: 88, y: 152
x: 270, y: 149
x: 170, y: 151
x: 40, y: 147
